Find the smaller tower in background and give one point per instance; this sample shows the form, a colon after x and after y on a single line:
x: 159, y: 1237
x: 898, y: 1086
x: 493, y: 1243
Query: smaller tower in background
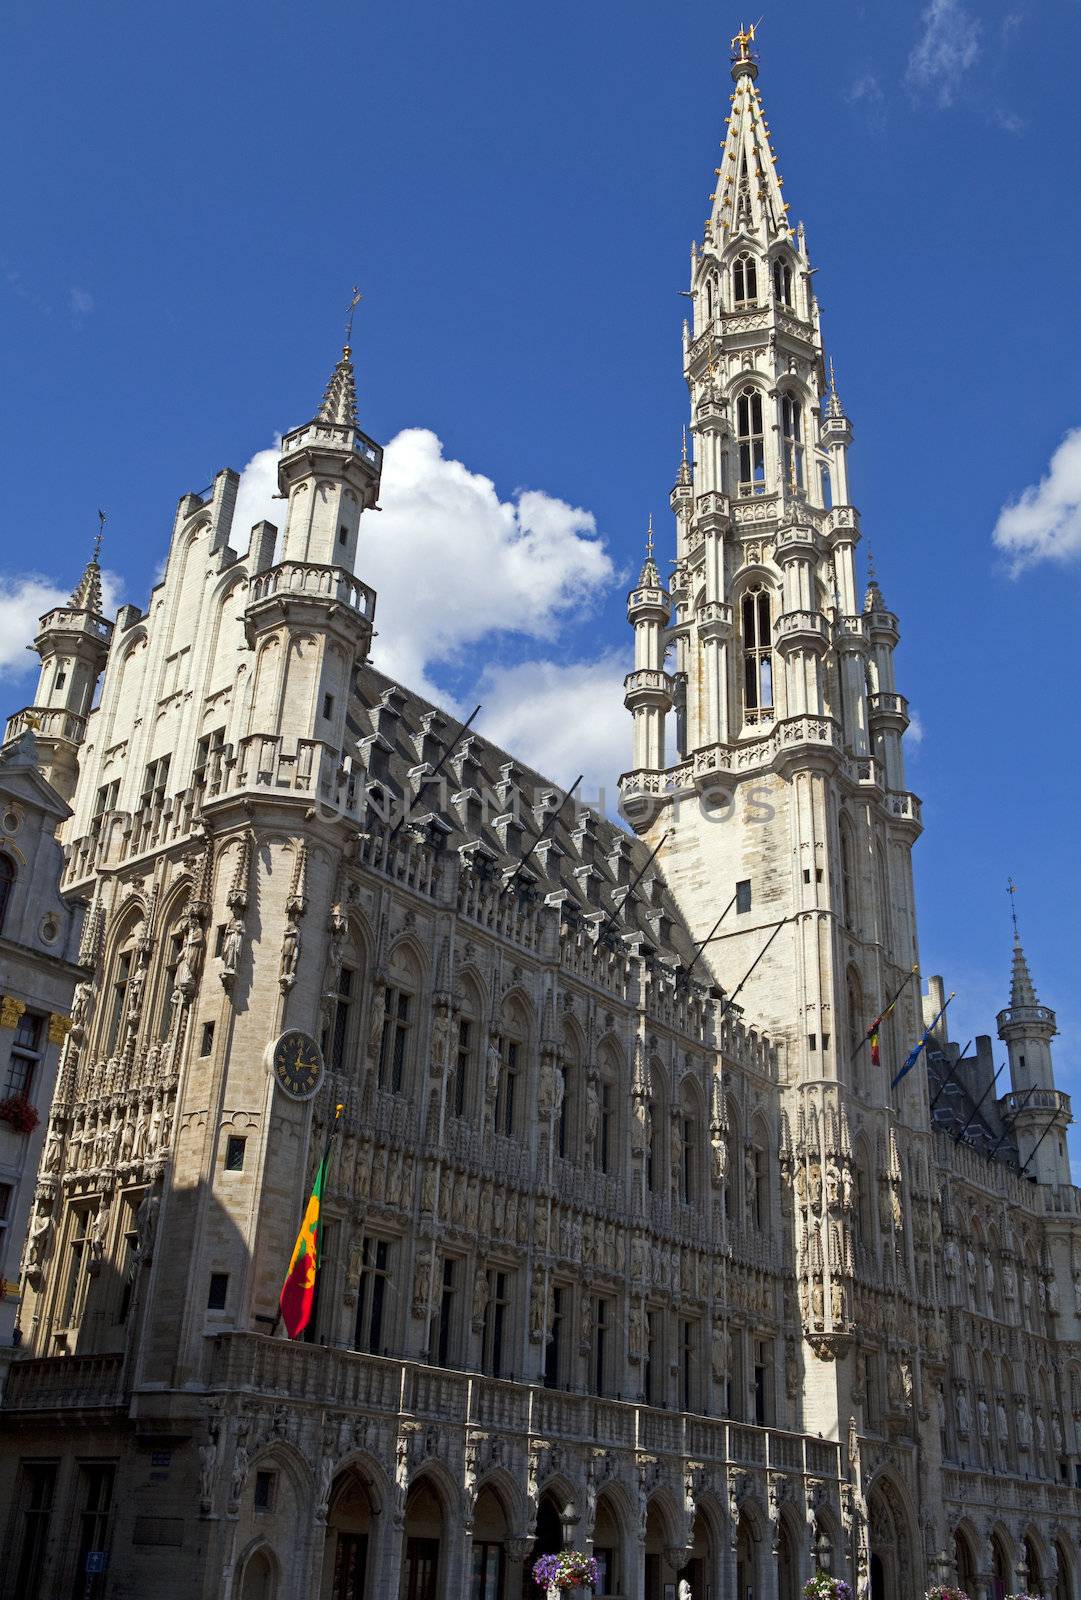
x: 648, y: 689
x: 1039, y: 1112
x: 73, y: 645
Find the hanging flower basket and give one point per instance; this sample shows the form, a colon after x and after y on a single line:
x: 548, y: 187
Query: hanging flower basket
x: 567, y: 1570
x: 946, y: 1591
x: 824, y: 1587
x: 17, y: 1111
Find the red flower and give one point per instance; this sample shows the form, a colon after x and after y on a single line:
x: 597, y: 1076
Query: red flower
x: 18, y: 1111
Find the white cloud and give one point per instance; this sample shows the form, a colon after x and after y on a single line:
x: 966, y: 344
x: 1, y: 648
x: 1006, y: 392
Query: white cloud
x: 451, y: 562
x: 1044, y: 522
x: 948, y: 46
x: 915, y: 727
x: 23, y: 599
x: 866, y: 91
x: 563, y: 719
x: 80, y: 301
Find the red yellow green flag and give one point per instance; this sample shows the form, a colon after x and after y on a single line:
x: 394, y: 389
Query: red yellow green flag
x: 297, y: 1298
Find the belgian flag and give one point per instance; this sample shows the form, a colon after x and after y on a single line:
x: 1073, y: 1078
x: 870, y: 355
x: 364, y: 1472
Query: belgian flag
x: 298, y: 1291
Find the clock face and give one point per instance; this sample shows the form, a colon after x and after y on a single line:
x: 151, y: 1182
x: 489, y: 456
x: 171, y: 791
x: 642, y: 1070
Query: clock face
x: 297, y: 1064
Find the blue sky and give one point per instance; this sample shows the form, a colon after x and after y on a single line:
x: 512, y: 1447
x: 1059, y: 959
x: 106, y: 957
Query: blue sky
x: 516, y: 188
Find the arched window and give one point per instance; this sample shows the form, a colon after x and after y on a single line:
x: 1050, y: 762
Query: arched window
x: 757, y: 654
x: 463, y: 1045
x: 792, y: 435
x: 751, y: 441
x: 782, y: 281
x: 512, y: 1043
x: 757, y: 1186
x: 606, y: 1153
x: 569, y: 1068
x: 123, y: 972
x: 339, y: 1036
x: 173, y: 950
x: 709, y: 299
x: 7, y: 881
x: 658, y: 1130
x: 732, y: 1162
x: 686, y: 1178
x: 399, y: 1015
x: 744, y: 281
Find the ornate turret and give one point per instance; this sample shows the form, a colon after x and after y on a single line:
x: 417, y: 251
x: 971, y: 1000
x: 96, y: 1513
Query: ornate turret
x: 648, y: 688
x: 73, y: 644
x: 1039, y: 1112
x: 329, y: 471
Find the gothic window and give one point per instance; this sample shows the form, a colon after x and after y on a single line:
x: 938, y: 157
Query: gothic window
x: 494, y: 1341
x: 154, y: 783
x: 441, y: 1344
x: 710, y: 302
x: 26, y: 1052
x: 553, y: 1348
x: 607, y: 1146
x: 599, y: 1355
x: 118, y: 998
x: 658, y: 1132
x: 568, y: 1068
x: 751, y: 441
x: 398, y: 1022
x: 792, y: 435
x: 732, y: 1162
x: 78, y: 1261
x: 339, y: 1035
x: 757, y: 654
x: 744, y: 281
x: 687, y: 1365
x: 463, y: 1056
x: 782, y: 281
x: 827, y: 487
x: 37, y: 1490
x: 7, y: 881
x: 372, y: 1291
x: 508, y: 1110
x: 758, y: 1207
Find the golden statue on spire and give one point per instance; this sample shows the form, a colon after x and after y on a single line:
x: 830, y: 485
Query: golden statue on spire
x: 741, y: 44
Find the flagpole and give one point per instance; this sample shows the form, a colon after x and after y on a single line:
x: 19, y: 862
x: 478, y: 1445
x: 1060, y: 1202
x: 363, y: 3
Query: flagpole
x: 918, y: 1049
x: 732, y: 997
x: 709, y: 935
x: 407, y: 807
x: 552, y: 817
x: 884, y: 1013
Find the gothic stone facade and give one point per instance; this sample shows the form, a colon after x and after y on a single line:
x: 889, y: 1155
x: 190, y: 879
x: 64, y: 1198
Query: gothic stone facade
x: 613, y: 1256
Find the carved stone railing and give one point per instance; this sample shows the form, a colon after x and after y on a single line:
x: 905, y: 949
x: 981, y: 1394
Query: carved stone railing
x: 47, y: 1383
x: 49, y: 722
x: 250, y: 1363
x: 309, y: 578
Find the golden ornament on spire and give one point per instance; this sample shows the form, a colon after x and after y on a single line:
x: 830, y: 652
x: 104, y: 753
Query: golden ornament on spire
x: 741, y: 44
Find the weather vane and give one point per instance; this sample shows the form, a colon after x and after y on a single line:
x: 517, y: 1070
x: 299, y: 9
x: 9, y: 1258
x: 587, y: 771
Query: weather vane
x: 1011, y: 890
x: 353, y: 304
x: 100, y: 534
x: 649, y: 538
x: 744, y: 39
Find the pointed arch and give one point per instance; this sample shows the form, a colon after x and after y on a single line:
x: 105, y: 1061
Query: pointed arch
x: 258, y: 1573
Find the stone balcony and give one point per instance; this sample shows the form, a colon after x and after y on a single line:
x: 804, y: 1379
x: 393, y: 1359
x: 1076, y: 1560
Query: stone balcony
x: 646, y: 685
x: 254, y: 1364
x: 304, y: 579
x: 54, y: 1383
x: 1027, y: 1016
x: 48, y: 723
x: 1038, y: 1100
x: 889, y: 709
x: 805, y: 630
x: 904, y: 807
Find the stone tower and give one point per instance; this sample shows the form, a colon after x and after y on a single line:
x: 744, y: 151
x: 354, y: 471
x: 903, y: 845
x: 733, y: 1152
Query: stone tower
x: 1040, y: 1112
x: 788, y: 825
x: 73, y: 644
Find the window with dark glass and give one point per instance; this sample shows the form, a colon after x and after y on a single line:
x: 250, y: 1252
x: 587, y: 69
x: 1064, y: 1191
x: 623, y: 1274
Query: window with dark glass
x: 155, y: 780
x: 26, y: 1052
x: 792, y: 435
x: 127, y: 1262
x: 372, y: 1295
x: 208, y: 759
x: 336, y: 1038
x: 7, y: 883
x: 218, y: 1292
x: 508, y: 1087
x: 782, y: 281
x: 599, y: 1362
x: 743, y: 896
x: 397, y: 1022
x: 263, y: 1495
x: 751, y: 442
x: 96, y: 1493
x: 460, y: 1070
x: 745, y: 280
x: 495, y: 1323
x: 553, y: 1349
x: 173, y: 953
x: 563, y: 1130
x: 78, y: 1261
x: 443, y: 1327
x: 234, y: 1152
x: 653, y: 1358
x: 607, y: 1114
x: 761, y: 1381
x: 38, y: 1488
x: 686, y: 1364
x: 488, y: 1567
x: 121, y: 979
x: 687, y: 1174
x: 757, y: 651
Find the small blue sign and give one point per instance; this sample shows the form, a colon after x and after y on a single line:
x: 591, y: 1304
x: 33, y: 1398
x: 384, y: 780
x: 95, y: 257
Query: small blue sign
x: 96, y: 1560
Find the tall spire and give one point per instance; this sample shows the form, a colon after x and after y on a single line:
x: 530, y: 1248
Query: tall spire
x: 87, y: 596
x: 649, y: 578
x: 747, y: 198
x: 339, y: 405
x: 1022, y: 988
